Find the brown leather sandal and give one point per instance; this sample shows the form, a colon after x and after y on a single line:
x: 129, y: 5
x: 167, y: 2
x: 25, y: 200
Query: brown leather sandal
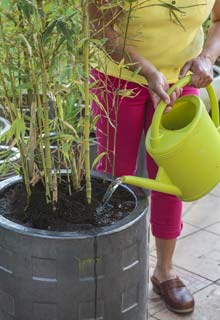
x: 175, y: 294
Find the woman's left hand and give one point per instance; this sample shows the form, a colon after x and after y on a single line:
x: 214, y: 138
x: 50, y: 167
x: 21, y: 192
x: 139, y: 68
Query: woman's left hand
x: 202, y: 70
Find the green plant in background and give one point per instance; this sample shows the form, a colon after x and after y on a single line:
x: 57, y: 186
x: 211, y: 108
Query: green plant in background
x: 206, y: 26
x: 44, y: 48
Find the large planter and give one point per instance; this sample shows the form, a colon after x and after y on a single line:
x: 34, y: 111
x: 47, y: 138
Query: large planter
x: 88, y: 275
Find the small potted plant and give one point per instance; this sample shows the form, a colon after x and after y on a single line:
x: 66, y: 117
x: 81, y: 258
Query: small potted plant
x: 61, y: 256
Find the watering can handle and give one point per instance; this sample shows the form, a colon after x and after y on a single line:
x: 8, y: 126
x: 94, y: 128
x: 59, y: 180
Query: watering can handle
x: 162, y: 106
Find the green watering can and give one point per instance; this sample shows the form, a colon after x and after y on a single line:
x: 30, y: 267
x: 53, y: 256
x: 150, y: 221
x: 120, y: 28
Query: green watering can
x: 185, y: 144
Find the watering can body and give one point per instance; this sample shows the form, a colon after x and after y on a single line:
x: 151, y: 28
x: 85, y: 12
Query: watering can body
x: 185, y: 144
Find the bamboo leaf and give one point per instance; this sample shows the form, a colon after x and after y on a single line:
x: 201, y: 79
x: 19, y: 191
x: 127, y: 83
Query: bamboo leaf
x: 69, y: 126
x: 65, y: 150
x: 5, y: 5
x: 98, y: 158
x: 18, y: 129
x: 61, y: 27
x: 48, y: 31
x: 135, y: 72
x: 60, y: 107
x: 27, y: 43
x: 121, y: 64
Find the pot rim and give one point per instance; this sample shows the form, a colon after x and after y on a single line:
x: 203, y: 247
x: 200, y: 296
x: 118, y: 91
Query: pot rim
x: 139, y: 210
x: 14, y: 157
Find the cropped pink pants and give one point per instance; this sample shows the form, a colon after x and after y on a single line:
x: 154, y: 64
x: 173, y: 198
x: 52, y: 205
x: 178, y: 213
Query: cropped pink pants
x: 129, y: 116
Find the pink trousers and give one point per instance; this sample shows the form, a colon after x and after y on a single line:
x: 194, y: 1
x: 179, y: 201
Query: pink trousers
x: 122, y: 118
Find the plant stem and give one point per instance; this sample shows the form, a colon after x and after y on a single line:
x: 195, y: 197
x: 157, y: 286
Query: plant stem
x: 118, y: 90
x: 86, y: 92
x: 45, y: 104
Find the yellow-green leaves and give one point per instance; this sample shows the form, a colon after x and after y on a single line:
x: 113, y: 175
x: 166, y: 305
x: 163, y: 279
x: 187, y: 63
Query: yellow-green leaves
x: 18, y: 129
x: 98, y: 158
x: 4, y: 5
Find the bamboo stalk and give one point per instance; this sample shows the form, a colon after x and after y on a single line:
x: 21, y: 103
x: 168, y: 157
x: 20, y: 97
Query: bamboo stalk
x: 45, y: 104
x: 118, y: 88
x: 76, y: 183
x: 86, y: 92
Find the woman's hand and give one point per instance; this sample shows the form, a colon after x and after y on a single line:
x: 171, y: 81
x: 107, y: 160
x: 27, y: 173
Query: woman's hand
x: 158, y: 87
x: 202, y: 70
x: 201, y: 66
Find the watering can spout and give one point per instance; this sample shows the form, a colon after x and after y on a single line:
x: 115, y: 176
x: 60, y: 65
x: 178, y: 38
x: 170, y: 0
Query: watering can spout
x: 161, y: 184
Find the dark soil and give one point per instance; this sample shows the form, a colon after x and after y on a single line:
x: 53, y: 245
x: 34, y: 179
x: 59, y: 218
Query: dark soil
x: 72, y: 212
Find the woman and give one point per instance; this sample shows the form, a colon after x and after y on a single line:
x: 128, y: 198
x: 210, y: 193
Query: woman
x: 164, y: 41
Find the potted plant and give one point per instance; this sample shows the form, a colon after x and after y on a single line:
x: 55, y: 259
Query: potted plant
x: 61, y: 257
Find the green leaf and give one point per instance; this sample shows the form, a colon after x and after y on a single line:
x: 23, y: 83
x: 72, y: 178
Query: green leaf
x: 48, y: 30
x: 65, y: 150
x: 5, y: 5
x: 98, y: 158
x: 18, y: 129
x: 27, y: 44
x: 60, y: 107
x: 121, y: 64
x: 61, y: 27
x: 135, y: 72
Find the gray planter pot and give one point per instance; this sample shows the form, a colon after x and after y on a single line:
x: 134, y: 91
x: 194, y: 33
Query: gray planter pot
x: 95, y: 275
x: 4, y: 126
x: 14, y: 157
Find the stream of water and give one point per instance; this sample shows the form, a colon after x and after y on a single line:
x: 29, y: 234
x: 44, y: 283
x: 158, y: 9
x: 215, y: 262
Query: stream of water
x: 107, y: 196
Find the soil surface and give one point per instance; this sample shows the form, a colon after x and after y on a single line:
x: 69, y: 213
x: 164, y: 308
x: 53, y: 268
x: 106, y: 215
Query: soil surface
x: 72, y: 212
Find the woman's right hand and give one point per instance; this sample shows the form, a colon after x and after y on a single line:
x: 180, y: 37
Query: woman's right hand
x: 158, y: 87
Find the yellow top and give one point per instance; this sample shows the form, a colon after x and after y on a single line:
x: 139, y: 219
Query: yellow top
x: 160, y: 37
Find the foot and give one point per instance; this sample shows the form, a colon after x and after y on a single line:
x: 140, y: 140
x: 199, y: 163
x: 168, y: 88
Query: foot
x: 175, y: 294
x: 172, y: 290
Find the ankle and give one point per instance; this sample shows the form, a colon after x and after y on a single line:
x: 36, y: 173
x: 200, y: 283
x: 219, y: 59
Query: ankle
x: 163, y: 273
x: 164, y: 267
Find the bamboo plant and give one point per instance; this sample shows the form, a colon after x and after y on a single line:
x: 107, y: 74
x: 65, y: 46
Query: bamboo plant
x: 45, y: 57
x: 44, y: 47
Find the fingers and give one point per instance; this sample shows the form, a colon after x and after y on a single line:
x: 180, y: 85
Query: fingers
x: 201, y: 80
x: 167, y: 109
x: 158, y: 87
x: 154, y: 97
x: 169, y: 100
x: 175, y: 95
x: 202, y: 70
x: 187, y: 66
x: 162, y: 94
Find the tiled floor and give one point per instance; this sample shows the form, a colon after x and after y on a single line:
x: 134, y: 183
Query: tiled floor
x: 197, y: 260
